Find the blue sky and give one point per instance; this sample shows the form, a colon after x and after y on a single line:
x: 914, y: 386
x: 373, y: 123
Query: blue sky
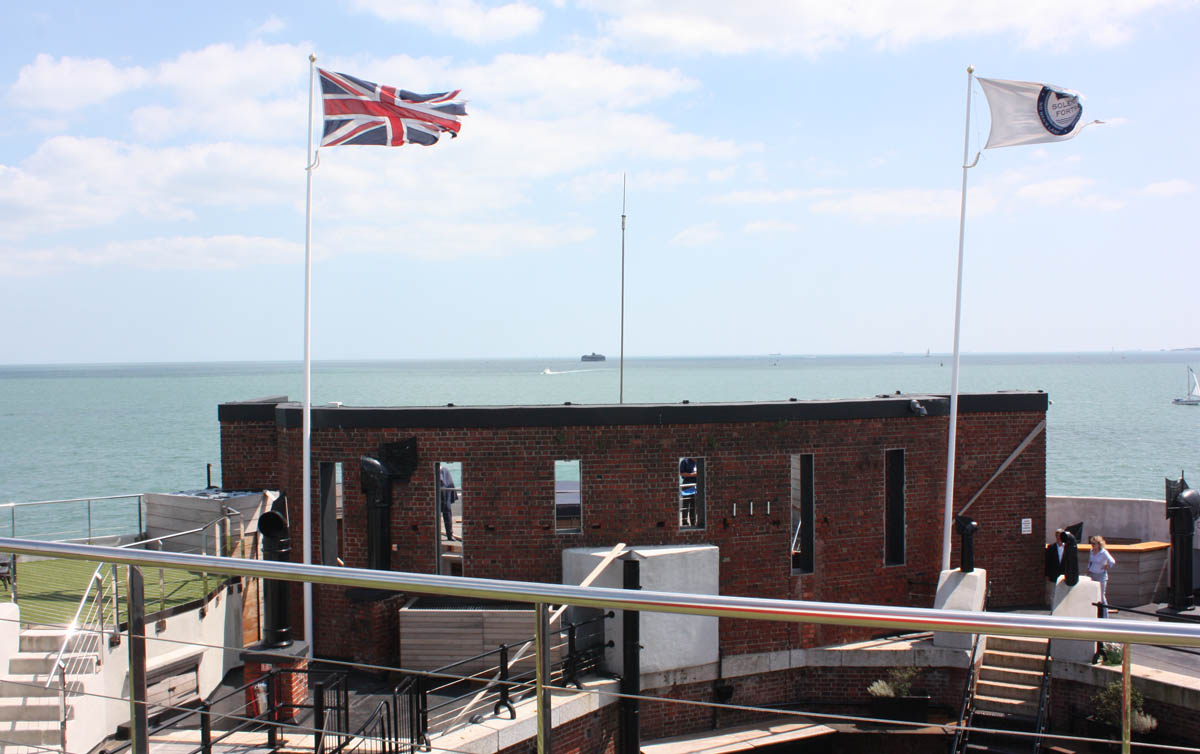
x: 793, y: 180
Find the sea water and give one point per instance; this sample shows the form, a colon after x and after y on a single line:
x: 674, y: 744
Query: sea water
x: 97, y: 430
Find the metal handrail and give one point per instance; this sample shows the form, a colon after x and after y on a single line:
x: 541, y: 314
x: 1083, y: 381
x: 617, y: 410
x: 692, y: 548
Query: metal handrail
x: 73, y: 627
x: 72, y: 500
x: 1119, y: 609
x: 1043, y: 699
x: 967, y: 709
x: 893, y: 618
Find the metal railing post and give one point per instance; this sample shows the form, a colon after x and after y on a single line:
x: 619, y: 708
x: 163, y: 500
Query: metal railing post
x: 116, y: 600
x: 631, y: 673
x: 272, y: 725
x: 541, y: 639
x: 89, y: 522
x: 571, y: 664
x: 319, y: 718
x: 135, y: 594
x: 1126, y: 696
x: 62, y: 704
x: 206, y: 728
x: 203, y: 551
x: 504, y: 701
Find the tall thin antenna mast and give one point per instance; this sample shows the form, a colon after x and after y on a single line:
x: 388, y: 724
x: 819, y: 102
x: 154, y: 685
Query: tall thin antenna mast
x: 621, y: 395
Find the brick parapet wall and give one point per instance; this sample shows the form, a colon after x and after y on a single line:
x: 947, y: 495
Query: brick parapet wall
x: 594, y: 733
x: 290, y: 689
x: 1071, y: 704
x: 629, y: 493
x: 833, y: 690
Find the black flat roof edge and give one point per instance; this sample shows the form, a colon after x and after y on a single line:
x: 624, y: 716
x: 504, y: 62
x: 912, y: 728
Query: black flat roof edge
x: 290, y: 415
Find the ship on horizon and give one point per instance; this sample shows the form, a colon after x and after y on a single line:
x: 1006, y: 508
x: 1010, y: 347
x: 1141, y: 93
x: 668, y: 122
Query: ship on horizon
x: 593, y: 356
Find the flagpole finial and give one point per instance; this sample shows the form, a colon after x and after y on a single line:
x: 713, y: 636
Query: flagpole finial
x: 312, y: 57
x: 970, y: 69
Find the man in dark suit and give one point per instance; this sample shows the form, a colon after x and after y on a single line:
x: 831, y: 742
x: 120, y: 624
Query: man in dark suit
x: 1054, y: 556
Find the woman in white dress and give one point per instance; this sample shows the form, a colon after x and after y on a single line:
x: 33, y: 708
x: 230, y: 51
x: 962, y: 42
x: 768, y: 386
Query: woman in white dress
x: 1099, y: 562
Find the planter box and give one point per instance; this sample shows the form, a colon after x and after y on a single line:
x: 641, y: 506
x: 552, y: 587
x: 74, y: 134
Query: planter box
x: 914, y: 709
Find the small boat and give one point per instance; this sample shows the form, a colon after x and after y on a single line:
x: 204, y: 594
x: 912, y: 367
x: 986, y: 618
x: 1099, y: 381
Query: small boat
x: 1193, y: 394
x: 593, y: 356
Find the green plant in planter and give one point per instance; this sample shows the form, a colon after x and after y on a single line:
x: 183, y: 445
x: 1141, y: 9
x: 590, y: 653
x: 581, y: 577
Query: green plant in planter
x: 899, y: 682
x: 1113, y: 654
x: 1106, y: 707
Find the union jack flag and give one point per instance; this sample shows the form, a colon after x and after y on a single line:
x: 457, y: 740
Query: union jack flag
x: 362, y: 112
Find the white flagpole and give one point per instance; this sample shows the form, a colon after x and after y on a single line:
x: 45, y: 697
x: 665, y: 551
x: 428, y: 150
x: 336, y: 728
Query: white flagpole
x: 306, y: 480
x: 621, y: 394
x: 950, y: 441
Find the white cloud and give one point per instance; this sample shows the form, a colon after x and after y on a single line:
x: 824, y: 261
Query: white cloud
x: 1073, y: 190
x: 464, y: 19
x: 878, y: 204
x: 563, y: 81
x: 813, y: 27
x: 697, y: 235
x: 174, y: 253
x: 272, y: 25
x: 64, y: 84
x: 1055, y: 190
x: 770, y: 226
x: 1174, y: 187
x: 71, y: 183
x: 770, y: 196
x: 590, y: 186
x: 468, y: 239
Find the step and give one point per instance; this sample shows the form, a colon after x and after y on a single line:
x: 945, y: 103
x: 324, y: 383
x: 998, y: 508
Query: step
x: 32, y: 663
x: 1010, y: 675
x: 1010, y: 707
x: 17, y: 686
x: 1000, y: 721
x: 1013, y: 660
x: 1020, y: 692
x: 30, y: 708
x: 51, y: 640
x: 1018, y: 644
x: 992, y: 744
x: 31, y: 733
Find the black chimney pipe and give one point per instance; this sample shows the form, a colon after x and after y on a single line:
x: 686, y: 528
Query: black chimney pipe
x: 377, y: 490
x: 276, y: 546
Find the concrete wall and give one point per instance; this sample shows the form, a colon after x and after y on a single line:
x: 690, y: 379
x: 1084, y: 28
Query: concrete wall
x: 102, y: 706
x: 1130, y: 518
x: 170, y: 513
x: 670, y: 641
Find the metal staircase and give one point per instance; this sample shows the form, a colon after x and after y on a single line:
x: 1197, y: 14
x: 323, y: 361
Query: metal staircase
x: 32, y: 715
x: 1008, y: 695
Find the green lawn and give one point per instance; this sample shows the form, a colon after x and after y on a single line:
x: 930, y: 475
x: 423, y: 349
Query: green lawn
x: 49, y: 591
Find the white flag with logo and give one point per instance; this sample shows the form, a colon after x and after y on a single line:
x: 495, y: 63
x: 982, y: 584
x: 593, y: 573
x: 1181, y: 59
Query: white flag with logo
x: 1024, y: 112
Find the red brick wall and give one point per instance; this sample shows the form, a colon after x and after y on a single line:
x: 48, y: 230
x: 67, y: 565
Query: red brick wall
x: 1071, y: 703
x: 629, y: 495
x: 595, y: 733
x: 840, y: 690
x: 290, y: 690
x: 249, y: 455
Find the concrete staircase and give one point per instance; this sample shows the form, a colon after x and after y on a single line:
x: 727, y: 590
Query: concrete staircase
x: 29, y: 712
x: 1007, y: 694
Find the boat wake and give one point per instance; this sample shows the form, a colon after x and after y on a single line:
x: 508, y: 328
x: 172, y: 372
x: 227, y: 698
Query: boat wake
x: 548, y: 370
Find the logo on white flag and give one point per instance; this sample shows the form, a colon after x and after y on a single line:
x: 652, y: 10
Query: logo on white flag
x: 1060, y: 111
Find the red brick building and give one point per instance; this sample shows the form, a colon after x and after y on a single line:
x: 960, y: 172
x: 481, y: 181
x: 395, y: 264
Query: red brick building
x: 865, y: 477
